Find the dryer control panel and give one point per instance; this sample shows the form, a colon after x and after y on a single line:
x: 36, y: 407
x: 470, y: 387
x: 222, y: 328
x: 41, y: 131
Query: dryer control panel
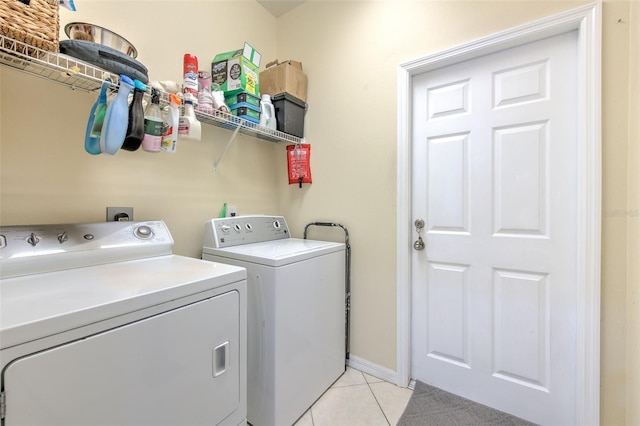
x: 31, y: 249
x: 238, y: 230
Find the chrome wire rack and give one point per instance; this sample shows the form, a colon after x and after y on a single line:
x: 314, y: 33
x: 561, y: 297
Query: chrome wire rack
x: 231, y: 122
x: 52, y: 66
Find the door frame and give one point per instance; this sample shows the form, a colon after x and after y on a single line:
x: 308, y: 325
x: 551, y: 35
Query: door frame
x: 587, y: 21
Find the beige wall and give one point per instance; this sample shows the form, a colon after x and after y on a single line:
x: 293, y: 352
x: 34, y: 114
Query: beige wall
x: 350, y: 51
x: 620, y: 321
x: 353, y: 49
x: 633, y: 222
x: 46, y: 176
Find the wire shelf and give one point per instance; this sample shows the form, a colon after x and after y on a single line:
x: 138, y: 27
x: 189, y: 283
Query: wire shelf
x: 229, y: 121
x: 52, y: 66
x: 79, y: 75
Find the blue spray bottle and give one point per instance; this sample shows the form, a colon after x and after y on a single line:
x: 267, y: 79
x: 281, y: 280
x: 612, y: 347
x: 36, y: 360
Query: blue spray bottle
x: 116, y: 118
x: 96, y: 118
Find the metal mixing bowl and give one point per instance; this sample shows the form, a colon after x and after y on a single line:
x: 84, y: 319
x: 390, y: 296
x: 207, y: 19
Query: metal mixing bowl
x: 99, y: 35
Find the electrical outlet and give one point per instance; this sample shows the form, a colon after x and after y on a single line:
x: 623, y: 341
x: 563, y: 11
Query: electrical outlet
x: 119, y: 214
x: 231, y: 211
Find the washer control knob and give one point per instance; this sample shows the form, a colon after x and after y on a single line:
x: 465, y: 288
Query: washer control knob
x: 226, y: 228
x: 276, y: 224
x: 248, y: 227
x: 237, y: 227
x: 62, y: 237
x: 33, y: 239
x: 143, y: 232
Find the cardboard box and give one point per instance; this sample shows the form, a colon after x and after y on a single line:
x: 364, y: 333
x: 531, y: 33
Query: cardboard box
x: 246, y: 111
x: 237, y: 70
x: 238, y: 96
x: 284, y: 77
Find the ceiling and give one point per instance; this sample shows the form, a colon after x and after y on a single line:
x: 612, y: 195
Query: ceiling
x: 280, y: 7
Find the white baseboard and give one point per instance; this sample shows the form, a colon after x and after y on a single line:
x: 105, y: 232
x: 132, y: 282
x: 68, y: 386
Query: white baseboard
x: 372, y: 369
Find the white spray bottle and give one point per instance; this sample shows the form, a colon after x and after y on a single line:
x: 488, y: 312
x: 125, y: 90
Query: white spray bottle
x: 170, y: 135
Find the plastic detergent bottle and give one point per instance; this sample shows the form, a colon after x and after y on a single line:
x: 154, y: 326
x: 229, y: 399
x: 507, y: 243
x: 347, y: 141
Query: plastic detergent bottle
x: 170, y: 135
x: 96, y: 117
x: 267, y: 113
x: 116, y: 118
x: 153, y: 124
x: 135, y: 129
x: 189, y: 127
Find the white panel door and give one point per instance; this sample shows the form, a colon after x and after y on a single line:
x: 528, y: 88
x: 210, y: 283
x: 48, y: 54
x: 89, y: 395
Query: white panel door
x: 494, y: 178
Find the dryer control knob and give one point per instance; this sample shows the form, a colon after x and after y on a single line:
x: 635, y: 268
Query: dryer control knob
x: 63, y: 237
x: 276, y: 224
x: 143, y: 232
x: 33, y: 239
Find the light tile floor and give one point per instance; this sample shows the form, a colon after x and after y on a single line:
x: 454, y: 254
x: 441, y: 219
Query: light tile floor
x: 358, y: 399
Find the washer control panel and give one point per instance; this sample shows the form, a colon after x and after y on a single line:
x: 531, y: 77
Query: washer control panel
x: 33, y: 249
x: 238, y: 230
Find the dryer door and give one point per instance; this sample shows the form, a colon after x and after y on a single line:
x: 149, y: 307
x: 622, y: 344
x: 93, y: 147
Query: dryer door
x: 176, y: 368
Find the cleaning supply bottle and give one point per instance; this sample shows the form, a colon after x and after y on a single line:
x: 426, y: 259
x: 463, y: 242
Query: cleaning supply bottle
x: 170, y: 135
x: 205, y: 98
x: 153, y: 124
x: 96, y: 118
x: 189, y: 127
x: 116, y: 118
x: 135, y: 129
x: 190, y: 83
x: 267, y: 113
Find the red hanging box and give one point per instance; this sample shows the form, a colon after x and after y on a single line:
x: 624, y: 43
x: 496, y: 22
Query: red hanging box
x: 299, y: 164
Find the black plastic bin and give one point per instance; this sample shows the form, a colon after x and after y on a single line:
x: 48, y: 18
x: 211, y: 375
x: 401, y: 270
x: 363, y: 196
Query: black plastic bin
x: 290, y: 114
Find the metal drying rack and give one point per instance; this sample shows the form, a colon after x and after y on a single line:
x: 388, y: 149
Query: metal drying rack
x: 347, y: 288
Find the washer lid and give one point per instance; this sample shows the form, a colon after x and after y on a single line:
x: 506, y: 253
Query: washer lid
x: 41, y: 305
x: 278, y: 252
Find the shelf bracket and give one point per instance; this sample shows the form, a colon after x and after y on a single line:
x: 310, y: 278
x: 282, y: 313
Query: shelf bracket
x: 233, y: 137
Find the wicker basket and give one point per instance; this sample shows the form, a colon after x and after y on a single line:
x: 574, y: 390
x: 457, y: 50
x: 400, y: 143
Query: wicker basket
x: 36, y: 24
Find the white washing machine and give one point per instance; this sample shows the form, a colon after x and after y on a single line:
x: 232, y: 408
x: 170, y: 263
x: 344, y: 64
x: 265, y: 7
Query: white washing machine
x: 296, y: 328
x: 100, y: 324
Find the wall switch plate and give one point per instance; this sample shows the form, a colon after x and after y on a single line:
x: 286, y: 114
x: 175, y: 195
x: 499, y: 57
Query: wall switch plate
x: 119, y: 214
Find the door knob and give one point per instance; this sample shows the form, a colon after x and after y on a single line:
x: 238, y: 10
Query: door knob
x: 419, y: 244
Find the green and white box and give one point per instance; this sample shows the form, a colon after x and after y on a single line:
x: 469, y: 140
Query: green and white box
x: 237, y: 70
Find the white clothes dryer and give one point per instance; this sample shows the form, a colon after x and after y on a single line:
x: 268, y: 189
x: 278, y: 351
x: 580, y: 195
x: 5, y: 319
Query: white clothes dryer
x: 296, y: 313
x: 100, y: 324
